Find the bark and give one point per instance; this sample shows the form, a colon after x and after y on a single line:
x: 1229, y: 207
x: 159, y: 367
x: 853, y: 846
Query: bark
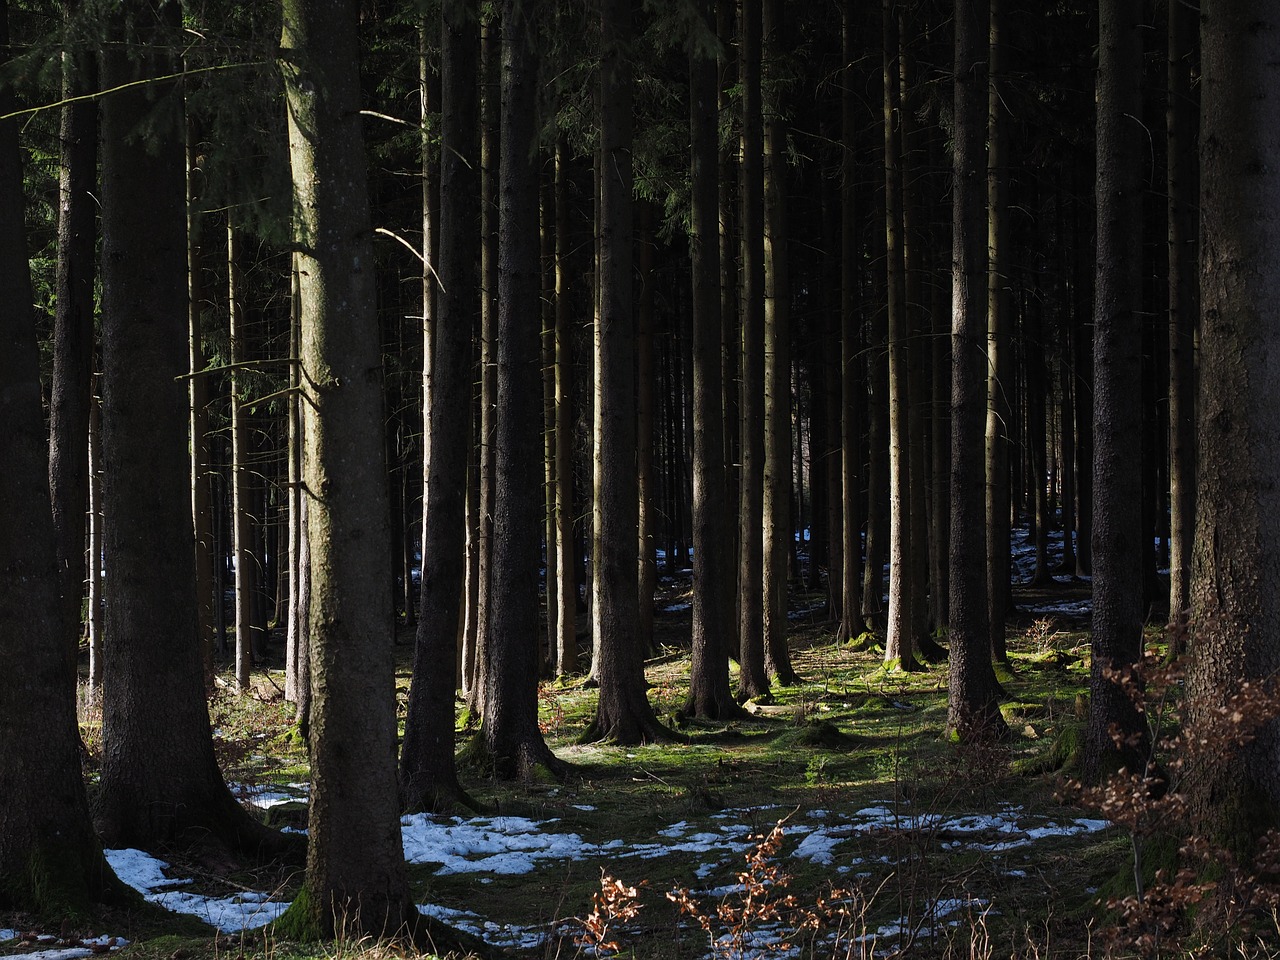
x: 160, y: 782
x: 547, y: 298
x: 753, y: 681
x: 296, y: 614
x: 647, y: 558
x: 778, y: 529
x: 428, y: 771
x: 972, y: 710
x: 567, y: 593
x: 1000, y: 367
x: 730, y: 314
x: 242, y: 524
x: 73, y: 321
x: 623, y: 712
x: 1117, y: 408
x: 96, y: 611
x: 512, y: 740
x: 899, y: 644
x: 1183, y: 307
x: 1235, y: 606
x: 355, y: 878
x: 50, y: 861
x: 852, y: 386
x: 710, y: 695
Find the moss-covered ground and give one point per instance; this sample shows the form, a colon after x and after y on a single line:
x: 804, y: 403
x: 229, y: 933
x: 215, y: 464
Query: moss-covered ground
x: 850, y: 737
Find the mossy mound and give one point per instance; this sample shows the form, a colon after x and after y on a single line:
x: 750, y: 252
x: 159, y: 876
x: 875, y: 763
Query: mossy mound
x: 817, y: 734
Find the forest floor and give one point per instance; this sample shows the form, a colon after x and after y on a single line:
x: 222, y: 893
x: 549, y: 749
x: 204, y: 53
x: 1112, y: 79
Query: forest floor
x: 897, y: 840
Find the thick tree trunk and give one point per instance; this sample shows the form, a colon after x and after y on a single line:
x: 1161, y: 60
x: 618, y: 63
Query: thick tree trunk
x: 160, y: 781
x: 972, y: 709
x: 623, y: 712
x: 512, y: 739
x: 710, y: 695
x: 428, y: 772
x: 1235, y: 606
x: 355, y: 879
x: 1117, y: 409
x: 50, y: 861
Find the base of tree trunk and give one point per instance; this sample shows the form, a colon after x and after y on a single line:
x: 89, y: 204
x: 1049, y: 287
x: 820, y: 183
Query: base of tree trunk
x: 64, y: 880
x: 529, y: 760
x: 444, y: 799
x: 931, y: 651
x: 629, y: 727
x: 721, y: 708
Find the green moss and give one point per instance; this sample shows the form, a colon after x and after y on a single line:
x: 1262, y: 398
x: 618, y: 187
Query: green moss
x: 64, y: 881
x: 1064, y: 753
x: 303, y: 921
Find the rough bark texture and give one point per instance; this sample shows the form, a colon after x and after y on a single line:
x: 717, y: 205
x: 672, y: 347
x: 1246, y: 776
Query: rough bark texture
x: 1117, y: 383
x: 355, y: 879
x: 428, y: 772
x: 1183, y: 307
x: 753, y: 681
x: 50, y: 861
x: 160, y: 781
x: 73, y: 322
x: 972, y: 710
x: 710, y: 695
x: 511, y: 737
x: 566, y: 644
x: 623, y: 712
x: 1235, y: 605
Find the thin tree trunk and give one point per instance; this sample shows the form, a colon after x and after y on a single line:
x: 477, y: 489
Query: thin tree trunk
x: 294, y: 658
x: 566, y: 606
x: 647, y: 560
x: 242, y: 524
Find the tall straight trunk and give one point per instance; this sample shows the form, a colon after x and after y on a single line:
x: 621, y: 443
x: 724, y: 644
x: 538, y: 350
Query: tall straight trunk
x: 899, y: 644
x: 566, y: 644
x: 355, y: 878
x: 73, y: 321
x: 50, y: 861
x: 647, y: 559
x: 623, y: 712
x: 160, y: 780
x: 1037, y: 437
x: 198, y: 417
x: 1235, y: 604
x: 876, y: 355
x: 1000, y: 368
x: 852, y: 386
x: 294, y: 655
x: 1082, y: 367
x: 512, y: 739
x: 241, y: 501
x: 778, y: 530
x: 753, y: 681
x: 490, y: 57
x: 940, y: 411
x: 547, y: 298
x: 1117, y: 382
x: 95, y: 620
x: 710, y: 695
x: 730, y: 314
x: 1067, y: 433
x: 1182, y: 130
x: 973, y: 712
x: 428, y: 773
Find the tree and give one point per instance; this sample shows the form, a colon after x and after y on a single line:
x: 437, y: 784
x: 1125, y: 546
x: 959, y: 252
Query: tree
x: 753, y: 681
x: 510, y: 731
x: 428, y: 773
x: 355, y: 878
x: 73, y: 320
x: 50, y: 861
x: 1117, y: 401
x: 623, y: 712
x: 972, y: 710
x: 710, y: 695
x: 1234, y: 601
x: 160, y: 781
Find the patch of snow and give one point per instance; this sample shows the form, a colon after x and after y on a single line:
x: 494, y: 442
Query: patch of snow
x: 584, y: 807
x: 85, y: 948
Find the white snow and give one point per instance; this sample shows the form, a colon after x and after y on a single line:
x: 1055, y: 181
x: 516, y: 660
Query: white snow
x: 67, y: 953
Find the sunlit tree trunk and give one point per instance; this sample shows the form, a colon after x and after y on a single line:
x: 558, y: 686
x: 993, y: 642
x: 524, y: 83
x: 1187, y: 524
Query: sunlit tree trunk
x: 566, y: 582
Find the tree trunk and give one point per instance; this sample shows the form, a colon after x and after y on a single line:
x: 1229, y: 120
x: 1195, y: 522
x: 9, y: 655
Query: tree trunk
x: 567, y: 593
x: 241, y: 500
x: 511, y: 736
x: 710, y: 695
x: 97, y: 634
x: 753, y: 682
x: 160, y: 782
x: 972, y: 709
x: 1234, y: 601
x: 623, y: 713
x: 428, y: 772
x: 647, y: 559
x: 1117, y: 409
x: 1000, y: 367
x: 1183, y: 302
x: 69, y: 396
x: 50, y: 861
x: 297, y: 615
x: 778, y: 531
